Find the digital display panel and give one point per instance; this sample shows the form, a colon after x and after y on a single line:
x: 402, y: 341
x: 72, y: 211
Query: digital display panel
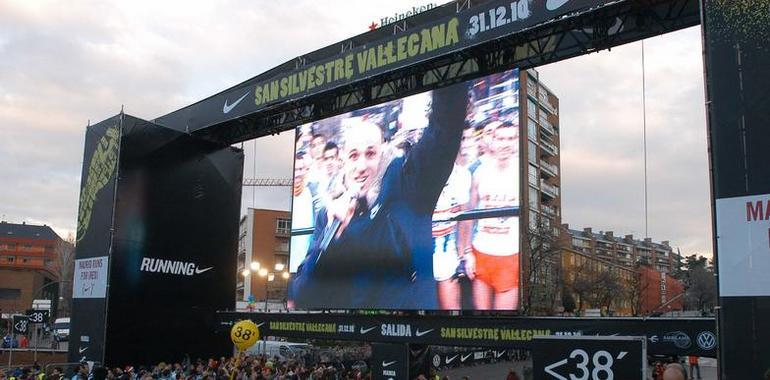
x: 412, y: 204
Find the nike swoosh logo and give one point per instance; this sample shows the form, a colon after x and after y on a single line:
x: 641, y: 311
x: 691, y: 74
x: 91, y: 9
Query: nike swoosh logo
x: 500, y: 354
x: 199, y: 271
x: 421, y: 333
x: 82, y: 349
x: 227, y: 108
x: 260, y: 324
x: 449, y: 360
x: 364, y: 331
x: 387, y: 364
x: 553, y: 5
x: 465, y: 357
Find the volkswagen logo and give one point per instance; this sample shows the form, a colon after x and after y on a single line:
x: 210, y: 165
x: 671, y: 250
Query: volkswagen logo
x: 436, y: 361
x: 706, y: 340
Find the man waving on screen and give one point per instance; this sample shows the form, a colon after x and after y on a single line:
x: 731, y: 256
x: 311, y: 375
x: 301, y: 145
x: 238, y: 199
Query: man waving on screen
x: 372, y: 243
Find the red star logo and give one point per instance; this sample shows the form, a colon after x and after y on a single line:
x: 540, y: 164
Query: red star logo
x: 373, y: 26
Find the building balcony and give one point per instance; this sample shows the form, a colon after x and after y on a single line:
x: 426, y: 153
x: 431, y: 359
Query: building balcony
x: 549, y: 148
x: 282, y: 232
x: 545, y: 103
x: 547, y: 126
x: 549, y: 168
x: 532, y: 89
x: 548, y: 210
x: 548, y: 189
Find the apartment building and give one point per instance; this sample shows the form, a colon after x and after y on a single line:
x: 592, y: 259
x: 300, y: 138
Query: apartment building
x: 620, y: 274
x: 29, y: 265
x: 263, y: 255
x: 539, y: 136
x: 624, y: 250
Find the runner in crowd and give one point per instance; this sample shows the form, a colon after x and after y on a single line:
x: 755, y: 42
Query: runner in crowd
x: 494, y: 256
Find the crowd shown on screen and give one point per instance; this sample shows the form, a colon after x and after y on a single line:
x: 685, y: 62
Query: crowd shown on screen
x: 485, y: 176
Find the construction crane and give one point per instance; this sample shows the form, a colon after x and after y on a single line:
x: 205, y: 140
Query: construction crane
x: 262, y: 182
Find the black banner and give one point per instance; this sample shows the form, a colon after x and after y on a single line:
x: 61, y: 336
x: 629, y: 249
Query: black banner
x: 737, y: 58
x: 20, y: 324
x: 97, y: 194
x: 38, y: 316
x: 176, y: 230
x: 666, y: 336
x: 146, y: 243
x: 608, y: 357
x: 451, y: 358
x: 390, y: 361
x: 419, y: 360
x: 428, y: 35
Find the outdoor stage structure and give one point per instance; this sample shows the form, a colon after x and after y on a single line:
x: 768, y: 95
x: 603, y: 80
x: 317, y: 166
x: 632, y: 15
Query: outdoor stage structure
x: 158, y: 216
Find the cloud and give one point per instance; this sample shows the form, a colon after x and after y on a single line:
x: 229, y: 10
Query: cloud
x: 65, y: 63
x: 601, y: 129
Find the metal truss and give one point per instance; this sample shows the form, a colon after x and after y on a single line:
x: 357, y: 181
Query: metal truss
x: 570, y: 36
x: 267, y: 182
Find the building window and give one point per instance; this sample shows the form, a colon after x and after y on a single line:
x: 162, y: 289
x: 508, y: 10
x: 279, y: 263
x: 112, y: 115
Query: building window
x: 532, y: 152
x: 531, y: 109
x: 533, y: 198
x: 282, y: 245
x: 10, y: 259
x: 10, y: 294
x: 531, y: 129
x: 533, y: 179
x: 283, y: 226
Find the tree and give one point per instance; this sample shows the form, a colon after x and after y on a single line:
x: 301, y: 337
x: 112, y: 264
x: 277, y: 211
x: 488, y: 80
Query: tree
x: 607, y: 288
x: 567, y: 300
x: 699, y: 283
x: 583, y: 282
x: 701, y: 294
x: 543, y: 272
x: 65, y: 267
x: 635, y: 289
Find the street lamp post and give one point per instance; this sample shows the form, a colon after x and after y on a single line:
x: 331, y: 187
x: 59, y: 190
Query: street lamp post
x: 269, y: 276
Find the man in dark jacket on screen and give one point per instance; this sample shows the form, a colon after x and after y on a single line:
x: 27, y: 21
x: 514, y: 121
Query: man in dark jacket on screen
x: 372, y: 245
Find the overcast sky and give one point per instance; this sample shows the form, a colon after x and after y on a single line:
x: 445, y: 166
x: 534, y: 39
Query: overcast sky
x: 63, y: 63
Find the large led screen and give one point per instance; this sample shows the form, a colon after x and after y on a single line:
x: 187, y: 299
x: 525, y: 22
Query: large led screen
x: 412, y: 204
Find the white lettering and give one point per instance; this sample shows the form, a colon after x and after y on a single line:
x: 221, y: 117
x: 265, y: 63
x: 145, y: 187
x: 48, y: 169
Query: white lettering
x: 145, y: 264
x: 396, y: 330
x: 181, y: 268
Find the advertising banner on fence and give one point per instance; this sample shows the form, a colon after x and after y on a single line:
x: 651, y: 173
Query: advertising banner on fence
x: 390, y: 361
x: 666, y: 336
x: 393, y: 204
x: 604, y: 357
